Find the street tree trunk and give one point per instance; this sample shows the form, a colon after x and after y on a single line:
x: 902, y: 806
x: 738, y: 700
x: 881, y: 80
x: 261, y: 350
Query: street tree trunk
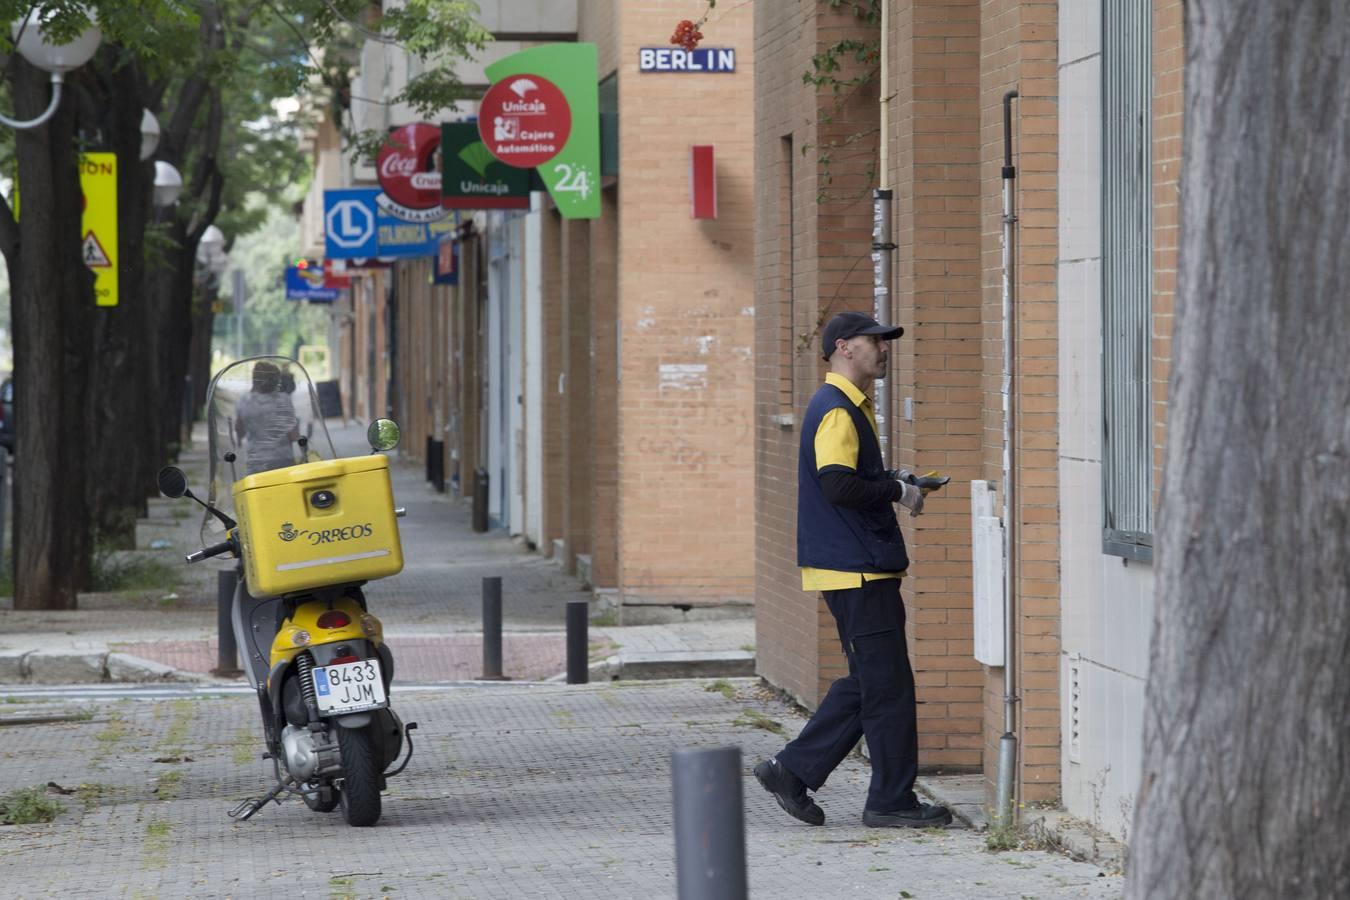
x: 120, y: 416
x: 52, y: 309
x: 1246, y: 775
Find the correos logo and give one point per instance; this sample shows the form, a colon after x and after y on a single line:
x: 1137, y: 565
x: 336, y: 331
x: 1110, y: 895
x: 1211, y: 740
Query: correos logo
x: 337, y: 535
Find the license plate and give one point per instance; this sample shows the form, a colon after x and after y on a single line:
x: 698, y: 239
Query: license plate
x: 349, y: 687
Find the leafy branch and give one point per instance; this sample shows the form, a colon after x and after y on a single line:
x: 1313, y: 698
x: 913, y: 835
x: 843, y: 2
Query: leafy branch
x: 843, y: 68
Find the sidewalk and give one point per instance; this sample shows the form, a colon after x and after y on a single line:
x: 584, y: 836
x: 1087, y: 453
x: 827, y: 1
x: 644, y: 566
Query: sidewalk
x: 431, y: 611
x: 515, y: 790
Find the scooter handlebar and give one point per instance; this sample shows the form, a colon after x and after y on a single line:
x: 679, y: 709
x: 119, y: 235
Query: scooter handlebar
x: 213, y: 550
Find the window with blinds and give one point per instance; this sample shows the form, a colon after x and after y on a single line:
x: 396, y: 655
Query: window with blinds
x: 1127, y: 243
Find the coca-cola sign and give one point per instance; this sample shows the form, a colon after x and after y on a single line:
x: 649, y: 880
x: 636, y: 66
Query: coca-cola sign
x: 409, y: 167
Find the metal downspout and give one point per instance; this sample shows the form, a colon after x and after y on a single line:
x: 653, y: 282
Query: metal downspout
x: 882, y: 246
x: 1005, y: 809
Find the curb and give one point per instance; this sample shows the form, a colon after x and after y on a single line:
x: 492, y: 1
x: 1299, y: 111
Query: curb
x: 666, y: 666
x: 47, y: 667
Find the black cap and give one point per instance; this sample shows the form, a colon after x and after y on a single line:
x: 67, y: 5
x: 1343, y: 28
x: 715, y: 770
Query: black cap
x: 851, y: 324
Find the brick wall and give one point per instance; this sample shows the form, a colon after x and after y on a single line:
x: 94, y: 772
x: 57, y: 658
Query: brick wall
x: 1019, y: 49
x: 575, y: 347
x: 604, y: 453
x: 935, y: 173
x: 786, y: 619
x: 1168, y: 104
x: 685, y: 315
x: 550, y: 287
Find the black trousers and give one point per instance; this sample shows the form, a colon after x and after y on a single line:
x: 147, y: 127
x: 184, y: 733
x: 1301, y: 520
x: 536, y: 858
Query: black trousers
x: 875, y: 700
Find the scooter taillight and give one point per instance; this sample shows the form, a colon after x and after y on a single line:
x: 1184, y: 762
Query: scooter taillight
x: 334, y: 618
x: 339, y: 660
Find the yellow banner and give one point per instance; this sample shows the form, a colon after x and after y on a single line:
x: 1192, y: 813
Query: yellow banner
x: 98, y: 179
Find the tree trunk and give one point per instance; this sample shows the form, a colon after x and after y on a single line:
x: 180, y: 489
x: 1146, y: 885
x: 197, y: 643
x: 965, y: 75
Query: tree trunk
x: 53, y: 305
x: 1246, y: 775
x: 120, y: 417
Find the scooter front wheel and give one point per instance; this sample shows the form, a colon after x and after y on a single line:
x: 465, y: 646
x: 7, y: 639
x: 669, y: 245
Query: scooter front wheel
x: 360, y: 795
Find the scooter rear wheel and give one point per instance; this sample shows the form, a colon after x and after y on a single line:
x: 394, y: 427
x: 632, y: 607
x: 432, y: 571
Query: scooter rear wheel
x: 360, y: 794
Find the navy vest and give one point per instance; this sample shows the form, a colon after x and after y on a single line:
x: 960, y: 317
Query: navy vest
x: 832, y: 537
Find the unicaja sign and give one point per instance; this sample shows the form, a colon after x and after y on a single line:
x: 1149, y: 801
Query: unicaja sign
x: 525, y: 120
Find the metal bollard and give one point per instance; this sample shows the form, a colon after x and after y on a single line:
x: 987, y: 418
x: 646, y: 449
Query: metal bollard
x: 578, y: 650
x: 227, y: 653
x: 492, y: 629
x: 709, y: 824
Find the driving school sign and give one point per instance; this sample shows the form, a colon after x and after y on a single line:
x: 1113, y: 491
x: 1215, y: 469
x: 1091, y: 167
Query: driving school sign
x: 543, y: 111
x: 98, y: 181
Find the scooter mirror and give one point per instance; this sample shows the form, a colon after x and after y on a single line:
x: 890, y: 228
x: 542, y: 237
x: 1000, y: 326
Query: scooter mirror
x: 383, y: 434
x: 172, y: 482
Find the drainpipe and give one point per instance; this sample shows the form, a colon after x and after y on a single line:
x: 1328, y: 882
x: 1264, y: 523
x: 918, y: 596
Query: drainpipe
x: 882, y: 246
x: 1007, y: 745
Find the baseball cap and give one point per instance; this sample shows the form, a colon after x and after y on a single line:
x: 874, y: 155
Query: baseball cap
x: 845, y: 325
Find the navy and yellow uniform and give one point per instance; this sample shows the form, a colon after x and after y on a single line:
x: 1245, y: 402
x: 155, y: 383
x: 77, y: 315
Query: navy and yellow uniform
x: 849, y: 548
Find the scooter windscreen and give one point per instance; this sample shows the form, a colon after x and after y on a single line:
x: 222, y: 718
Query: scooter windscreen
x: 262, y: 413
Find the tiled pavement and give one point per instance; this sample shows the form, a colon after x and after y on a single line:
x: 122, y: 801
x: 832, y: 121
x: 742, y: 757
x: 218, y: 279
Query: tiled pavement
x: 516, y: 790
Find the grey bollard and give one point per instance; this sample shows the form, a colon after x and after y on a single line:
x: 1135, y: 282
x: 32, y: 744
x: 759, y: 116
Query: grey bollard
x: 492, y: 629
x: 709, y: 824
x: 227, y: 653
x: 578, y: 651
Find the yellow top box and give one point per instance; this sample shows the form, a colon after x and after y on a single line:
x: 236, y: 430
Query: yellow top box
x: 318, y: 524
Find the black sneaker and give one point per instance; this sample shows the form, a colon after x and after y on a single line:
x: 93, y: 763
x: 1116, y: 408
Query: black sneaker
x: 924, y: 815
x: 789, y: 791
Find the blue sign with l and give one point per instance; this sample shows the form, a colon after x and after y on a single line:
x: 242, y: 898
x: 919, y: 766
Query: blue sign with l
x: 356, y: 227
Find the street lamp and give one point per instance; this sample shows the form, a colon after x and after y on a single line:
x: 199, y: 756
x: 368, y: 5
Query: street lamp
x: 150, y: 137
x: 168, y: 183
x: 211, y: 245
x: 58, y: 59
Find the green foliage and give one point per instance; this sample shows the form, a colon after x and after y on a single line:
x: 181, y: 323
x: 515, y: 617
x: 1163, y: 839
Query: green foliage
x: 114, y: 571
x: 272, y: 324
x: 843, y: 68
x: 28, y: 806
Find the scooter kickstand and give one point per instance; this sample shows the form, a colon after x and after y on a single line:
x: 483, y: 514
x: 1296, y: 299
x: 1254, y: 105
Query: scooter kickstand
x: 248, y: 808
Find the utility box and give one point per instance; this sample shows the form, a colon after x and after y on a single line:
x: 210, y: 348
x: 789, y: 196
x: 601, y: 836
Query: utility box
x: 986, y: 531
x: 318, y: 524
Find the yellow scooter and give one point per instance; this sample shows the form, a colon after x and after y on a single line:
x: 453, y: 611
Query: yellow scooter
x: 310, y: 532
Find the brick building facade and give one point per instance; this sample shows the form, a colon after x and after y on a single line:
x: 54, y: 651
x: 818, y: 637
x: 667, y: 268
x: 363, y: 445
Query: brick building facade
x: 1081, y: 611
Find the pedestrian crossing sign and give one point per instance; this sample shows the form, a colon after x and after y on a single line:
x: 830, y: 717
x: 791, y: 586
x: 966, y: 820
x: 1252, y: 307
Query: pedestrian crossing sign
x: 98, y: 179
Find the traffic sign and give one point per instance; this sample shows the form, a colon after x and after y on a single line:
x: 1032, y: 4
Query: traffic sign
x: 98, y: 181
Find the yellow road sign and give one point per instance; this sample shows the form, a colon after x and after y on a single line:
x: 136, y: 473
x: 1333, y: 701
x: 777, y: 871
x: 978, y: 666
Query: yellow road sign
x: 98, y: 179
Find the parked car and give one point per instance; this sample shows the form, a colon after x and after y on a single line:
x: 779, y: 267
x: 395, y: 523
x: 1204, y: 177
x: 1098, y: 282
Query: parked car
x: 7, y: 415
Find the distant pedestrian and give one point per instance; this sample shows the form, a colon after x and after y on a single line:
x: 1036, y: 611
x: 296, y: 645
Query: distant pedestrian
x: 850, y: 549
x: 265, y: 419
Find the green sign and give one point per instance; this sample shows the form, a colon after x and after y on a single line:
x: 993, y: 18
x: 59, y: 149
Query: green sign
x: 572, y: 173
x: 472, y: 178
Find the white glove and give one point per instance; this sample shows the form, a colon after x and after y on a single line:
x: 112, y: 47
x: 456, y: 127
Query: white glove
x: 911, y: 499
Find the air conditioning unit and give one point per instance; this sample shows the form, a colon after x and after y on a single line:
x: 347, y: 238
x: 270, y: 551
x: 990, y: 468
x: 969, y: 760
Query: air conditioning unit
x: 986, y: 531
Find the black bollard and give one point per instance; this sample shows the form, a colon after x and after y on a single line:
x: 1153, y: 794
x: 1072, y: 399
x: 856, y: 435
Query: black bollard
x: 578, y: 663
x: 227, y: 653
x: 492, y: 629
x: 709, y: 824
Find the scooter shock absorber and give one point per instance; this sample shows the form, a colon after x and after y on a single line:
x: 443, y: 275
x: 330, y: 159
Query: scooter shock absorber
x: 303, y: 665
